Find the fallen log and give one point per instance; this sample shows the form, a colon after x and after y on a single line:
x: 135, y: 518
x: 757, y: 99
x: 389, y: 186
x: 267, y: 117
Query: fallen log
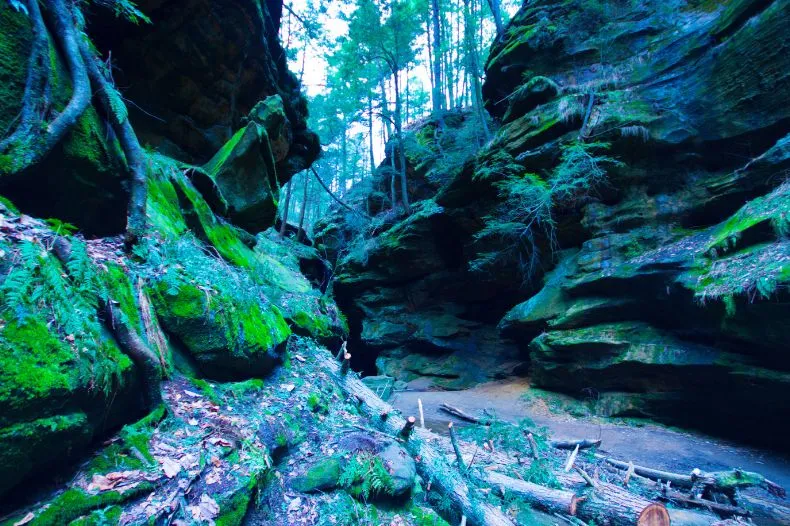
x: 722, y: 509
x: 459, y: 413
x: 621, y: 508
x: 613, y: 503
x: 431, y: 464
x: 571, y: 444
x: 540, y: 497
x: 718, y: 481
x: 677, y: 480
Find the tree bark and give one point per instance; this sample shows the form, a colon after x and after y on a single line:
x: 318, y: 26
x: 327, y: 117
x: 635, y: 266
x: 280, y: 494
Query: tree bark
x: 37, y: 75
x: 284, y: 223
x: 142, y: 356
x: 302, y: 212
x: 437, y: 65
x: 401, y: 149
x: 30, y: 146
x: 370, y: 135
x: 496, y: 11
x: 537, y: 496
x: 473, y: 69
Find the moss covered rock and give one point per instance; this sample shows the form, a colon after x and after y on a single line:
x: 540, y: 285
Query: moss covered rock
x: 226, y: 339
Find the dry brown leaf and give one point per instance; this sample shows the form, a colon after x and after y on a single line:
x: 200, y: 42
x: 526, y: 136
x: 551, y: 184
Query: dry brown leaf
x: 170, y: 467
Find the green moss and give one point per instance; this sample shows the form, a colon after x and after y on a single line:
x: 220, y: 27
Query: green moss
x: 323, y: 475
x: 101, y: 517
x: 35, y: 367
x: 74, y: 503
x: 162, y: 209
x: 120, y: 289
x: 26, y: 445
x: 138, y: 435
x: 221, y: 156
x: 233, y: 510
x: 15, y: 40
x: 86, y: 141
x: 426, y: 517
x: 8, y: 204
x: 207, y: 389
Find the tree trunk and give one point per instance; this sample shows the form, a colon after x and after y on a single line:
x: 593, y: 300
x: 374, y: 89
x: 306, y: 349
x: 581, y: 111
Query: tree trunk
x: 300, y: 231
x: 385, y: 111
x: 476, y: 89
x: 496, y: 11
x: 537, y: 496
x: 370, y: 135
x: 286, y: 209
x: 401, y: 149
x: 437, y: 65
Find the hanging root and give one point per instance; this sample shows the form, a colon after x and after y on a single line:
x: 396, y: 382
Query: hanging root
x: 135, y: 155
x: 33, y: 140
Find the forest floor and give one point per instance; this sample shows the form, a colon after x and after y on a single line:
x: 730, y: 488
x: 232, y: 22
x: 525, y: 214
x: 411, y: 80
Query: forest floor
x: 643, y: 443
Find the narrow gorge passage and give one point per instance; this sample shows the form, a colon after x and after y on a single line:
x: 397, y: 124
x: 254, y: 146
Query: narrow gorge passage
x: 643, y: 443
x: 246, y: 246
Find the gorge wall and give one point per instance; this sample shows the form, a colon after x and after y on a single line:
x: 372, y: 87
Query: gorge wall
x: 622, y: 238
x: 211, y: 291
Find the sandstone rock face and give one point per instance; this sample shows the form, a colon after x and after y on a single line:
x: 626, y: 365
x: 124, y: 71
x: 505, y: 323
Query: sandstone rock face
x: 658, y: 282
x: 200, y: 69
x: 201, y: 291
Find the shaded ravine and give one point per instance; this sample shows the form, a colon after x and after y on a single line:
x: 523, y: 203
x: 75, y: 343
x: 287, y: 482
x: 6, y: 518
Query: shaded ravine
x: 650, y: 444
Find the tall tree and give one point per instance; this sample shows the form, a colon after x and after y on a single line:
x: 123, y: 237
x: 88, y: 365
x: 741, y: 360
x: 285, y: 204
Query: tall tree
x: 437, y: 95
x: 496, y: 12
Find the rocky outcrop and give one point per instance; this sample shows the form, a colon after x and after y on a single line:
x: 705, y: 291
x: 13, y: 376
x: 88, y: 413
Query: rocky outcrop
x: 200, y: 294
x: 626, y: 227
x: 198, y: 70
x: 196, y: 80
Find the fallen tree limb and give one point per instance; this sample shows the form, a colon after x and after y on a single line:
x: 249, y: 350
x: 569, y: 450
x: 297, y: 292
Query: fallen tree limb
x: 458, y: 413
x: 431, y: 464
x: 571, y: 444
x: 722, y: 509
x: 543, y: 498
x: 718, y: 481
x: 619, y: 506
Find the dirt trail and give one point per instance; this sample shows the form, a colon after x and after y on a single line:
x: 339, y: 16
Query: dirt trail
x: 650, y: 445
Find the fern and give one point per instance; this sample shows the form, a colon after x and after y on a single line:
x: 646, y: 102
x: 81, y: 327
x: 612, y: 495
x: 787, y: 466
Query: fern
x: 39, y: 287
x: 367, y: 476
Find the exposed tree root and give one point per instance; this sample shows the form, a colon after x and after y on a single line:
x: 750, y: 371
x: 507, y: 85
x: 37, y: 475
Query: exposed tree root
x: 28, y: 145
x: 142, y: 356
x: 135, y: 155
x: 129, y: 341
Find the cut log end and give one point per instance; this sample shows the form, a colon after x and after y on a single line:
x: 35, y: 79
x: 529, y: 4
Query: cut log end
x: 654, y: 515
x: 346, y: 363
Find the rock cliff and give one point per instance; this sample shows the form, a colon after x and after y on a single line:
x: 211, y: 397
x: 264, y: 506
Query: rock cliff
x: 622, y: 236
